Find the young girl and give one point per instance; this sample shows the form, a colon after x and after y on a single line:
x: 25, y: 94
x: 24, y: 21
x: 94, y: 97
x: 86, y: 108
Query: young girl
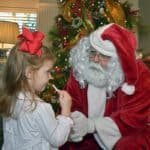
x: 29, y: 123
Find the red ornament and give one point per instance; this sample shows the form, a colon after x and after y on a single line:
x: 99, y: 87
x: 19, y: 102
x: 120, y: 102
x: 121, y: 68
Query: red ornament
x: 77, y: 8
x: 65, y: 44
x: 57, y: 69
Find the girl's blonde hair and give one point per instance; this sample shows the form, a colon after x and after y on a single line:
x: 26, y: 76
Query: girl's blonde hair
x: 13, y: 78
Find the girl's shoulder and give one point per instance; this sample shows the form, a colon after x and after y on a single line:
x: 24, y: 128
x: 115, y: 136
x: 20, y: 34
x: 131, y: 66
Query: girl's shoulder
x: 43, y: 110
x: 42, y: 105
x: 26, y: 101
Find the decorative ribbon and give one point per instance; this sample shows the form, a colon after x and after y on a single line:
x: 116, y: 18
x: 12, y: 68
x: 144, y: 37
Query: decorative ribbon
x: 31, y: 42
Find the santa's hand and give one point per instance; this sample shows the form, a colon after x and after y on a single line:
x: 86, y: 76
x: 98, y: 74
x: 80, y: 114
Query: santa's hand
x: 74, y: 137
x: 82, y: 124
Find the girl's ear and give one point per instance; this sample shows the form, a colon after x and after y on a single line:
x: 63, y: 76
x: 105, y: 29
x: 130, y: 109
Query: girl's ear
x: 29, y: 73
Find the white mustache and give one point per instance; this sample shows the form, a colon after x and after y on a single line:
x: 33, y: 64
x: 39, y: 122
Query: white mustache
x: 95, y: 66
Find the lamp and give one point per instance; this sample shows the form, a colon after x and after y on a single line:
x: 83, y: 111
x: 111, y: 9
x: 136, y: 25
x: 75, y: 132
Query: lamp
x: 8, y: 32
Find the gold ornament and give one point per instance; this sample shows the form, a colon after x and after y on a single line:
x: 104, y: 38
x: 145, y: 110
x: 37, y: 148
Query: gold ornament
x: 87, y: 20
x: 101, y: 10
x: 67, y: 10
x: 72, y: 42
x: 115, y: 12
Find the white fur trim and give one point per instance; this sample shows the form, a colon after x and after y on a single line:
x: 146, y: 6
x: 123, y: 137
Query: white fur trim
x: 96, y: 101
x: 128, y: 89
x: 106, y: 47
x: 107, y: 132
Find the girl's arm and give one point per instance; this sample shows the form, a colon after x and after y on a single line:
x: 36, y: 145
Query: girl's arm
x: 54, y: 130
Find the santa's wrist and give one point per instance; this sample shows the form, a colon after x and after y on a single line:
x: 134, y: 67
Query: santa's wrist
x: 91, y: 126
x: 65, y: 113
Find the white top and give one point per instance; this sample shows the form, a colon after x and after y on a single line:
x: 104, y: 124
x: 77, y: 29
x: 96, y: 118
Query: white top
x: 107, y: 131
x: 35, y: 130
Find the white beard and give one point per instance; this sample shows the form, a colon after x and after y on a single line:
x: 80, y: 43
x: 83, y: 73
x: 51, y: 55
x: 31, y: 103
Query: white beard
x: 110, y: 78
x: 86, y: 71
x: 94, y: 74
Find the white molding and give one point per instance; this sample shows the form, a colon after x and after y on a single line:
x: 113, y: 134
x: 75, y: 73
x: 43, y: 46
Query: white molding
x: 48, y: 4
x: 20, y: 9
x: 19, y: 3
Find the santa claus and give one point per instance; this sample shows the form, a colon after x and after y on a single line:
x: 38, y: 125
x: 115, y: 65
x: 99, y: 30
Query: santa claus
x: 110, y: 91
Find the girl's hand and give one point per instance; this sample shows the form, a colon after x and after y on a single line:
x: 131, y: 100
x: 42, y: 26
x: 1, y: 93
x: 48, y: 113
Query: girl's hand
x: 65, y: 102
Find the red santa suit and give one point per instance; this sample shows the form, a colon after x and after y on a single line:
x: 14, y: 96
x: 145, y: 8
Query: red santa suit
x: 122, y: 121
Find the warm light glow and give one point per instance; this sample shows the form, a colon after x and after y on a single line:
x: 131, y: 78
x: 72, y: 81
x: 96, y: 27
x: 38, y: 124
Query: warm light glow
x: 6, y: 46
x: 8, y: 33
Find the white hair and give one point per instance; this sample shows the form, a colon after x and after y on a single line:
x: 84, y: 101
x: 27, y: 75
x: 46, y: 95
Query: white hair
x: 86, y: 71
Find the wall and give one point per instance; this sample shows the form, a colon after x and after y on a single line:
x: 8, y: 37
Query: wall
x: 47, y: 12
x: 134, y: 6
x: 46, y: 9
x: 19, y: 4
x: 144, y: 34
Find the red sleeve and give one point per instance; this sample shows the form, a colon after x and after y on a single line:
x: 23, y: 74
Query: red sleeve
x: 132, y: 113
x: 79, y: 96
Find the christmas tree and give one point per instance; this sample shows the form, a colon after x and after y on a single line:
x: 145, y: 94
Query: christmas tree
x: 77, y: 19
x: 146, y: 59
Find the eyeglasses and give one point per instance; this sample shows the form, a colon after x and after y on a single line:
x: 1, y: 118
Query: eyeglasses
x: 100, y: 56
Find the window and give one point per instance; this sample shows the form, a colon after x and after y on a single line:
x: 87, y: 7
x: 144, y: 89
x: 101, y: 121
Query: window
x: 28, y: 19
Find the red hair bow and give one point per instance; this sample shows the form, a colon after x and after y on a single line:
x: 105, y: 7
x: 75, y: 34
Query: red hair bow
x: 31, y: 42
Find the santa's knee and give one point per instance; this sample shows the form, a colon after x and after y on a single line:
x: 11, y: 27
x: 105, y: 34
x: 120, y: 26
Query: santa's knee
x: 130, y: 143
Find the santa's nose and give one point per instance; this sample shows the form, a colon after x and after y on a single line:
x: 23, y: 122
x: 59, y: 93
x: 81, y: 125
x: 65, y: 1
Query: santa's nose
x: 96, y: 58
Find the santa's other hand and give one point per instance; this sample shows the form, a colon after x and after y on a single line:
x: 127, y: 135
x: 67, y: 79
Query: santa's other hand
x: 82, y: 124
x: 73, y: 137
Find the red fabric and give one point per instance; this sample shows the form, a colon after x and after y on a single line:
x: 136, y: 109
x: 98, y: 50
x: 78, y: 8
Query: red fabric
x: 125, y: 44
x: 31, y: 42
x: 87, y: 144
x: 79, y: 102
x: 136, y: 142
x: 130, y: 113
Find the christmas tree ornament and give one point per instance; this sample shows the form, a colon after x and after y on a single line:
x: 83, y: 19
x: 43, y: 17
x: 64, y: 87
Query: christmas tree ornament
x: 61, y: 2
x: 101, y: 10
x: 78, y: 36
x: 57, y: 69
x: 77, y: 8
x: 59, y: 55
x: 88, y: 21
x: 139, y: 54
x: 115, y: 12
x: 67, y: 13
x: 77, y: 22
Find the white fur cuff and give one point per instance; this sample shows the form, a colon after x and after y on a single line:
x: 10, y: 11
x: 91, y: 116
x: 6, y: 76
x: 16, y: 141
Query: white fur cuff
x: 128, y: 89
